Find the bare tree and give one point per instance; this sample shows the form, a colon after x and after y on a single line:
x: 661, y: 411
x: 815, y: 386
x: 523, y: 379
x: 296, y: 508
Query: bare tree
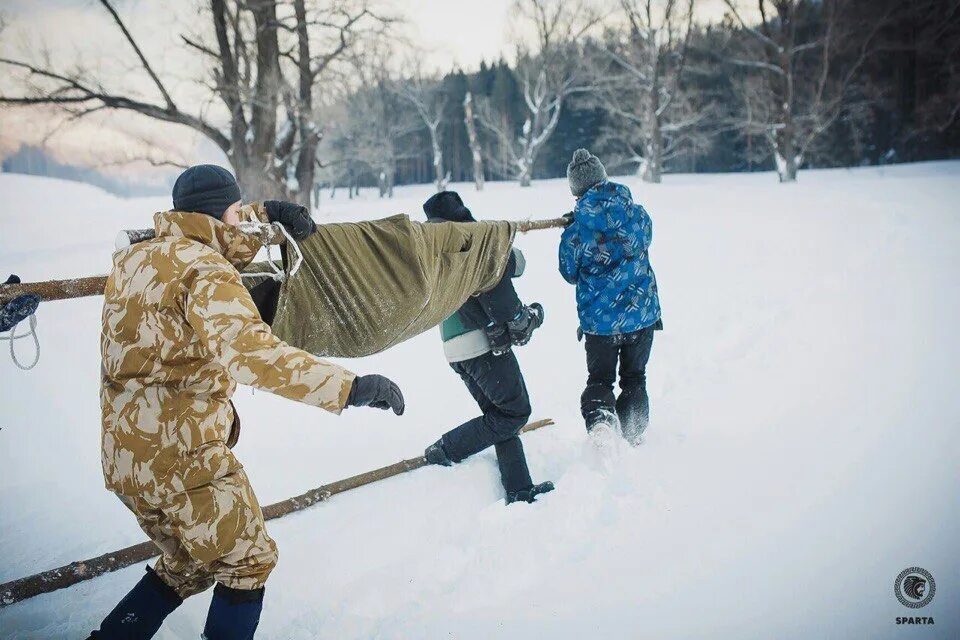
x: 638, y: 74
x: 800, y: 66
x: 264, y: 57
x: 548, y: 75
x: 428, y: 98
x: 374, y: 133
x: 937, y: 33
x: 476, y: 151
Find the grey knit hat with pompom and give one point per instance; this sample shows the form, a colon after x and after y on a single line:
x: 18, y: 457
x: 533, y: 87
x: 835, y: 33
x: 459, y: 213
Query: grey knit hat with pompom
x: 584, y: 172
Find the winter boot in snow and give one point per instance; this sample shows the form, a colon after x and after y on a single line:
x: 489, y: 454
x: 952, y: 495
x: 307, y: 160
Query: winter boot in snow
x: 18, y: 310
x: 141, y: 612
x: 499, y: 337
x: 234, y: 613
x: 436, y: 454
x: 633, y: 429
x: 529, y: 495
x: 602, y: 418
x: 527, y: 321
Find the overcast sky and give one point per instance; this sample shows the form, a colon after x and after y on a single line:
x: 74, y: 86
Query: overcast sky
x: 453, y: 33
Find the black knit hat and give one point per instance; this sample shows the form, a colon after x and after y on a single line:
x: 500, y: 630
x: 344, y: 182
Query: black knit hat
x: 448, y: 206
x: 205, y: 188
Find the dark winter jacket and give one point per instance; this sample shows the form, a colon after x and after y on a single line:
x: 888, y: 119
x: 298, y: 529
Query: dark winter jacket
x: 463, y: 333
x: 604, y: 253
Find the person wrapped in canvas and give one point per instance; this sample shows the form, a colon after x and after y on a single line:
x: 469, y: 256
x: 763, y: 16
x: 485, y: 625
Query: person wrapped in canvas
x: 604, y: 253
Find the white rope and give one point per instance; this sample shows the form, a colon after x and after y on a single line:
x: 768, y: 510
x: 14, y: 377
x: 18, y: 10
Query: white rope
x: 296, y: 248
x: 276, y: 273
x: 32, y: 320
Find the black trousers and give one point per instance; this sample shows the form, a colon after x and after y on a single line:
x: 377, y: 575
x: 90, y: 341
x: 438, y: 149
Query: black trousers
x: 631, y: 351
x: 497, y: 385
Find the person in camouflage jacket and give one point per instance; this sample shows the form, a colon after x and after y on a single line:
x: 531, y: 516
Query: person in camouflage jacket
x: 179, y: 332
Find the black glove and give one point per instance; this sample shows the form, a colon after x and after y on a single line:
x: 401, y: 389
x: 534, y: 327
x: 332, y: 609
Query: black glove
x: 294, y: 217
x: 499, y: 337
x: 568, y: 217
x: 523, y: 326
x: 376, y: 391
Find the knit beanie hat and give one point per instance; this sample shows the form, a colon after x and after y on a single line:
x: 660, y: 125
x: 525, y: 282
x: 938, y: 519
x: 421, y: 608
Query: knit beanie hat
x: 205, y: 188
x: 447, y: 206
x: 584, y: 172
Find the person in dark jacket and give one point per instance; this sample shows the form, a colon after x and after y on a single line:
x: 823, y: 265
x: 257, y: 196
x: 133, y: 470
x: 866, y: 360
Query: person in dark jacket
x: 604, y: 253
x: 477, y: 342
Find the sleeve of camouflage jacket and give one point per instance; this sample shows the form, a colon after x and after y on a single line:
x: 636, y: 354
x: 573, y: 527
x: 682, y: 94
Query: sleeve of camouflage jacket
x: 220, y: 310
x: 254, y: 212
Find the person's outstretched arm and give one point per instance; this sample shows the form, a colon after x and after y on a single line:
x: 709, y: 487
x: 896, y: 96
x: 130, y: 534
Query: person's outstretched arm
x: 219, y: 308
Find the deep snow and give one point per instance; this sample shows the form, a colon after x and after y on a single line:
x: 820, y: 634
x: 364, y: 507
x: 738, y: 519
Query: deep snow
x: 803, y: 447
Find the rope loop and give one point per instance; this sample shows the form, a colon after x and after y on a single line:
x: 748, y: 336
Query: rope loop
x: 276, y: 273
x: 13, y: 337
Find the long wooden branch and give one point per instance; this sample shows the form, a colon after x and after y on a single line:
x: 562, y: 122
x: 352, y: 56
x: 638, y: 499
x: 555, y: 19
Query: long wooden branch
x: 55, y: 289
x: 69, y: 575
x: 535, y: 225
x: 93, y: 285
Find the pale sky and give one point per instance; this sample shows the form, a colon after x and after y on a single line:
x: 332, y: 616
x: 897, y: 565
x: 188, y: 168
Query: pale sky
x: 452, y: 32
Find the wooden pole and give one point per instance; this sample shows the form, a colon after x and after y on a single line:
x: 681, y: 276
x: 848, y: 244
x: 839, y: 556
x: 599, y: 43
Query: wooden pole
x: 69, y: 575
x: 535, y: 225
x: 268, y: 234
x: 93, y: 285
x: 55, y: 289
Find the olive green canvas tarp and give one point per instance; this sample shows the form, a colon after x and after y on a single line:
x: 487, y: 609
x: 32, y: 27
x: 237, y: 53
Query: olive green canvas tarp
x: 364, y: 287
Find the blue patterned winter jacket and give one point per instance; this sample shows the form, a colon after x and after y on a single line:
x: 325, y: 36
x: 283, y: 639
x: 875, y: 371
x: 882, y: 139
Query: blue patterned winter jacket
x: 604, y: 253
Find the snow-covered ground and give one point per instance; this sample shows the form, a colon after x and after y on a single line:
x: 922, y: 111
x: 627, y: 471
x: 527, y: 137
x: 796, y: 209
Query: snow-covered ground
x: 804, y: 443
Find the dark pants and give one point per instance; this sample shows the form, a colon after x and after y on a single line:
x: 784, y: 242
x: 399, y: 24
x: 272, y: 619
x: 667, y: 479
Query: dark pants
x: 631, y: 351
x: 497, y: 385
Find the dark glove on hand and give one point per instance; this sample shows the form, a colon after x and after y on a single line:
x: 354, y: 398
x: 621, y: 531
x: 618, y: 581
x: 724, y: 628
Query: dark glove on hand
x: 523, y: 326
x: 499, y: 337
x: 568, y: 217
x: 376, y: 391
x: 294, y: 217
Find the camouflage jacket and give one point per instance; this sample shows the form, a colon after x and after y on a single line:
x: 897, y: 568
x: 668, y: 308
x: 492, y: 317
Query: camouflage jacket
x: 179, y: 332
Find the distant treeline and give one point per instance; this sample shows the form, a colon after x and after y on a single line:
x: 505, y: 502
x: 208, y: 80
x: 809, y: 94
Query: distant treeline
x: 902, y: 103
x: 35, y: 161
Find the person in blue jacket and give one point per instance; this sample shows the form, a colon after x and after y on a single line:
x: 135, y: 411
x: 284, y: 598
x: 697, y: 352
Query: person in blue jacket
x: 604, y: 252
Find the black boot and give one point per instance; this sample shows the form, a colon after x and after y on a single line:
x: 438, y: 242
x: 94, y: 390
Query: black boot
x: 602, y: 417
x: 530, y: 495
x: 436, y: 454
x: 234, y: 613
x: 141, y: 612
